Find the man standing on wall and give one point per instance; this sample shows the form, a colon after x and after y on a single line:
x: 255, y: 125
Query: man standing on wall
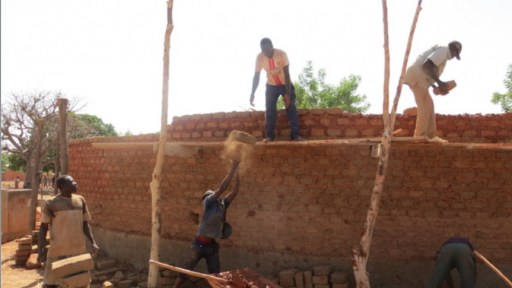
x: 454, y: 253
x: 426, y: 71
x: 276, y: 64
x: 213, y: 225
x: 68, y: 217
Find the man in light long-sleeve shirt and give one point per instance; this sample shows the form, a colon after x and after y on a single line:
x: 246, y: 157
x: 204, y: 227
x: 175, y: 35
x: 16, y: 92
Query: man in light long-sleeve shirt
x: 422, y: 74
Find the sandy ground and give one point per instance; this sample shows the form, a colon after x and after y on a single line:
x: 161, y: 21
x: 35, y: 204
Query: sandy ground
x: 16, y: 276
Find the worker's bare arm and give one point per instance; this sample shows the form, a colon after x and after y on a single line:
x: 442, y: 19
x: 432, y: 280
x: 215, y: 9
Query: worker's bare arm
x: 255, y: 83
x: 288, y: 83
x: 231, y: 196
x: 225, y: 183
x: 41, y: 242
x: 88, y: 234
x: 431, y: 69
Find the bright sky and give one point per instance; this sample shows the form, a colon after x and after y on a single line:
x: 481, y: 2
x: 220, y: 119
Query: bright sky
x: 109, y: 53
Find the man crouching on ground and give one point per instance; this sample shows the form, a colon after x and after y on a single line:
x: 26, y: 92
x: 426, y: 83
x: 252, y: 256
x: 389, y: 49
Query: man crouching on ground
x: 213, y: 225
x: 68, y: 217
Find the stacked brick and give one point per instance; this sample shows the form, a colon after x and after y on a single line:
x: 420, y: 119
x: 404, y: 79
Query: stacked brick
x: 318, y: 277
x: 26, y: 254
x: 332, y: 123
x: 24, y: 250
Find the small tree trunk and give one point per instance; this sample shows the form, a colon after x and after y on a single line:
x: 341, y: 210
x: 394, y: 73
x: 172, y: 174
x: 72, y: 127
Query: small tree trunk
x: 36, y: 176
x: 361, y: 252
x: 63, y: 142
x: 157, y: 172
x: 57, y: 165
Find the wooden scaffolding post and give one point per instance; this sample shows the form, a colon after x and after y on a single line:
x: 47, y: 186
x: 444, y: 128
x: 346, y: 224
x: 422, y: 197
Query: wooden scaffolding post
x: 63, y: 141
x: 57, y: 165
x: 361, y: 252
x: 36, y: 175
x: 157, y: 172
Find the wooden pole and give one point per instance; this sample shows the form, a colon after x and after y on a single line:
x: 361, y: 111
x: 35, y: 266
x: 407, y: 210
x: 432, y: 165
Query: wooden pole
x: 63, y: 141
x: 36, y: 175
x: 191, y: 273
x: 361, y: 252
x: 57, y: 164
x: 157, y: 172
x: 493, y: 268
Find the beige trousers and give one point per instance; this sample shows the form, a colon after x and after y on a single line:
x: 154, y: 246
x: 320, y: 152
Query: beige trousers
x: 426, y: 119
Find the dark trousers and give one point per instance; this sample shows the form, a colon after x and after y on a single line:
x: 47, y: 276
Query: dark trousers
x: 271, y: 96
x: 198, y: 251
x: 454, y: 255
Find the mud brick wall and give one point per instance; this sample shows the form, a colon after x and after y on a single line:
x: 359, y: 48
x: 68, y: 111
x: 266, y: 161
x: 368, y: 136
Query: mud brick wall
x: 332, y: 123
x: 301, y: 205
x: 15, y: 213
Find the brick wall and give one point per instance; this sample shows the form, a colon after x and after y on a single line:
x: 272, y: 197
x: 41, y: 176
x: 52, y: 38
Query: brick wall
x: 11, y: 175
x: 311, y: 201
x: 331, y: 123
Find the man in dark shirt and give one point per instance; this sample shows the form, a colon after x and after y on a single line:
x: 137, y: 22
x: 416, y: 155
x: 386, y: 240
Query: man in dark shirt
x: 213, y: 225
x: 454, y: 253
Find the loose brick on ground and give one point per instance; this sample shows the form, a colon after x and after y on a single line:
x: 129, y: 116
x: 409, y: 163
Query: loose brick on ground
x: 322, y: 270
x: 321, y: 279
x: 339, y: 277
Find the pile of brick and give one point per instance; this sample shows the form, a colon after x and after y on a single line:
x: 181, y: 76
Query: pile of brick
x: 24, y: 250
x: 26, y: 254
x: 318, y: 277
x: 108, y: 274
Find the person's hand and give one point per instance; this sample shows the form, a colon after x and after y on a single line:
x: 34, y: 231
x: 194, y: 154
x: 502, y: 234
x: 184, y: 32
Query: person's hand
x: 286, y: 99
x: 443, y: 87
x: 235, y: 162
x: 95, y: 251
x: 252, y: 100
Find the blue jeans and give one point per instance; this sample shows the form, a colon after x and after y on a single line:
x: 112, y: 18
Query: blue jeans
x: 271, y: 95
x: 208, y: 251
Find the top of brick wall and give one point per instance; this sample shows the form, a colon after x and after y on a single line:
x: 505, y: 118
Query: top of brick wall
x: 329, y: 123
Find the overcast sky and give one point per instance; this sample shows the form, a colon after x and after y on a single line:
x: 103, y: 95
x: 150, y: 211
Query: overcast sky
x: 109, y: 53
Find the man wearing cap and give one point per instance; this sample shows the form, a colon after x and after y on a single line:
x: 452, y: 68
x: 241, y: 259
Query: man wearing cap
x: 454, y: 253
x: 276, y: 64
x: 213, y: 225
x: 422, y: 74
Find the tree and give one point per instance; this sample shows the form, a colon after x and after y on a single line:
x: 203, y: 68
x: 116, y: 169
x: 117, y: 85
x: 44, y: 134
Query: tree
x: 16, y: 162
x: 81, y: 126
x: 5, y: 163
x: 505, y: 100
x: 315, y: 93
x: 20, y: 114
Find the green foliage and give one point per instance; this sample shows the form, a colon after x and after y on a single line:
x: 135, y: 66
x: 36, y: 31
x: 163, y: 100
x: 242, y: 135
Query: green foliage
x: 505, y: 100
x: 16, y: 162
x: 313, y: 92
x: 5, y: 163
x: 94, y: 123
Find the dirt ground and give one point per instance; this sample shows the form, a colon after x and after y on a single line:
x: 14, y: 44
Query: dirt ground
x: 16, y: 276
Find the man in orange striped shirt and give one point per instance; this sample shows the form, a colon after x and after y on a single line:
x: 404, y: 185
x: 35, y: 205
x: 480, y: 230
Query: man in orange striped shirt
x: 276, y: 64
